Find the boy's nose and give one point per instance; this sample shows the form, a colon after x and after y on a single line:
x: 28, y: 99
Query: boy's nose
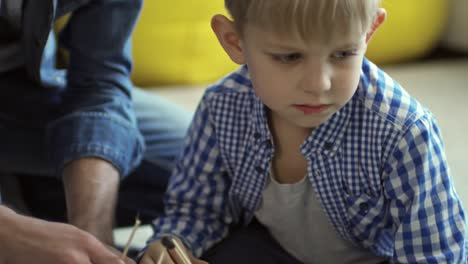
x: 316, y: 80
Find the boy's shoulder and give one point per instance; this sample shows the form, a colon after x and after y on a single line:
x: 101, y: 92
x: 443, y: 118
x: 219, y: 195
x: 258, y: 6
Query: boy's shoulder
x: 235, y: 82
x: 232, y: 91
x: 232, y: 104
x: 382, y: 96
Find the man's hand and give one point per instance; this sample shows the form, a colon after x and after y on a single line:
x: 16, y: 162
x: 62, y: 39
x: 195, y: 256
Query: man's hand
x: 25, y: 240
x: 157, y: 253
x: 91, y: 187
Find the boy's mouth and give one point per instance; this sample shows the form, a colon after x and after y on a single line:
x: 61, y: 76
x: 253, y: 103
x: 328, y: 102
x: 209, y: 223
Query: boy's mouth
x: 311, y: 109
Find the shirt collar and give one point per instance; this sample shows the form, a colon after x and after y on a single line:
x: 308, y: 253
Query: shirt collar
x: 326, y: 138
x: 260, y: 120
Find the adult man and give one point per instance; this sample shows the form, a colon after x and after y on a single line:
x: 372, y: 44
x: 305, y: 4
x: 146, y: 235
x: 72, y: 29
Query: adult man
x: 79, y: 124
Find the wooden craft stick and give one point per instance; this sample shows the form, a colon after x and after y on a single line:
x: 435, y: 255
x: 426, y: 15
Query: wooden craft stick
x: 129, y: 241
x: 175, y: 250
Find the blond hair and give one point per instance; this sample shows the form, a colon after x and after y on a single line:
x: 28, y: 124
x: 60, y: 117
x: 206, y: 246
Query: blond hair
x: 307, y: 18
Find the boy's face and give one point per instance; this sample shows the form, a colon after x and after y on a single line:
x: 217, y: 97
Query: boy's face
x: 303, y: 83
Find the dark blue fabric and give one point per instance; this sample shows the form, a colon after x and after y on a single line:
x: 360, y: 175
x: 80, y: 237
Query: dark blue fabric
x: 141, y: 192
x: 92, y: 97
x: 251, y: 244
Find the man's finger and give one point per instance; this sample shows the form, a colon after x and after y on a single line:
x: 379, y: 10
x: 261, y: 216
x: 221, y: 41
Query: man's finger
x: 116, y: 252
x: 146, y: 260
x: 108, y: 259
x: 100, y: 254
x: 129, y: 261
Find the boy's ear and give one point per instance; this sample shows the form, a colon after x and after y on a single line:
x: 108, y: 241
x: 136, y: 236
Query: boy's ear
x: 228, y: 37
x: 378, y: 20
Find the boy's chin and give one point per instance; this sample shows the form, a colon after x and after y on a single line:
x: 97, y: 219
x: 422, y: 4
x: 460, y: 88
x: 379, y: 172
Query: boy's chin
x: 311, y: 122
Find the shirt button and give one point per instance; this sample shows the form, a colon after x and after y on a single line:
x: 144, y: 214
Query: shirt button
x: 328, y: 145
x: 37, y: 42
x: 363, y: 208
x: 317, y: 174
x: 259, y: 169
x: 257, y: 135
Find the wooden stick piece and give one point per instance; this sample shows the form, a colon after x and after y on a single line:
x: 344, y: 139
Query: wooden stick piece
x: 129, y: 241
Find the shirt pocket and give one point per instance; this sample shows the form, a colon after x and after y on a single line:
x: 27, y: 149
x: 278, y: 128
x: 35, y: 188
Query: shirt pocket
x: 365, y: 215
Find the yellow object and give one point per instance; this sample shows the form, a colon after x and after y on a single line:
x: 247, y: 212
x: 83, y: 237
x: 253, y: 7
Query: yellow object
x: 411, y: 31
x: 173, y: 44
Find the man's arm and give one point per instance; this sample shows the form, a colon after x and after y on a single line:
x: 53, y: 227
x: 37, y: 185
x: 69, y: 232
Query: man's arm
x: 91, y: 186
x: 96, y: 140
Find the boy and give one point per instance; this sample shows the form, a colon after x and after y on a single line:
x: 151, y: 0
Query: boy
x: 319, y: 153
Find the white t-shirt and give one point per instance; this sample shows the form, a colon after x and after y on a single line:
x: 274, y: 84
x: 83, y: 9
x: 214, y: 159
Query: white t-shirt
x: 296, y: 220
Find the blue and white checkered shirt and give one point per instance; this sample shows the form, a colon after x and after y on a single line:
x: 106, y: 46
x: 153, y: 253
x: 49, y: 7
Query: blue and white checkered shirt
x: 378, y: 167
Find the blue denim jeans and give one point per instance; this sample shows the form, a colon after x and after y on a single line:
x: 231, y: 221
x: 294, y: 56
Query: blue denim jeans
x: 23, y: 153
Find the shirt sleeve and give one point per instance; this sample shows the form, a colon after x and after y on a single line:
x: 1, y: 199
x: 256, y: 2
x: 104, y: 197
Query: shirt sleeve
x: 197, y: 209
x: 427, y: 214
x: 97, y: 118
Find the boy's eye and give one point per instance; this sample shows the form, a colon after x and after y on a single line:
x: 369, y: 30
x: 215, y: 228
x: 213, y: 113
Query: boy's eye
x: 287, y: 58
x: 343, y: 54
